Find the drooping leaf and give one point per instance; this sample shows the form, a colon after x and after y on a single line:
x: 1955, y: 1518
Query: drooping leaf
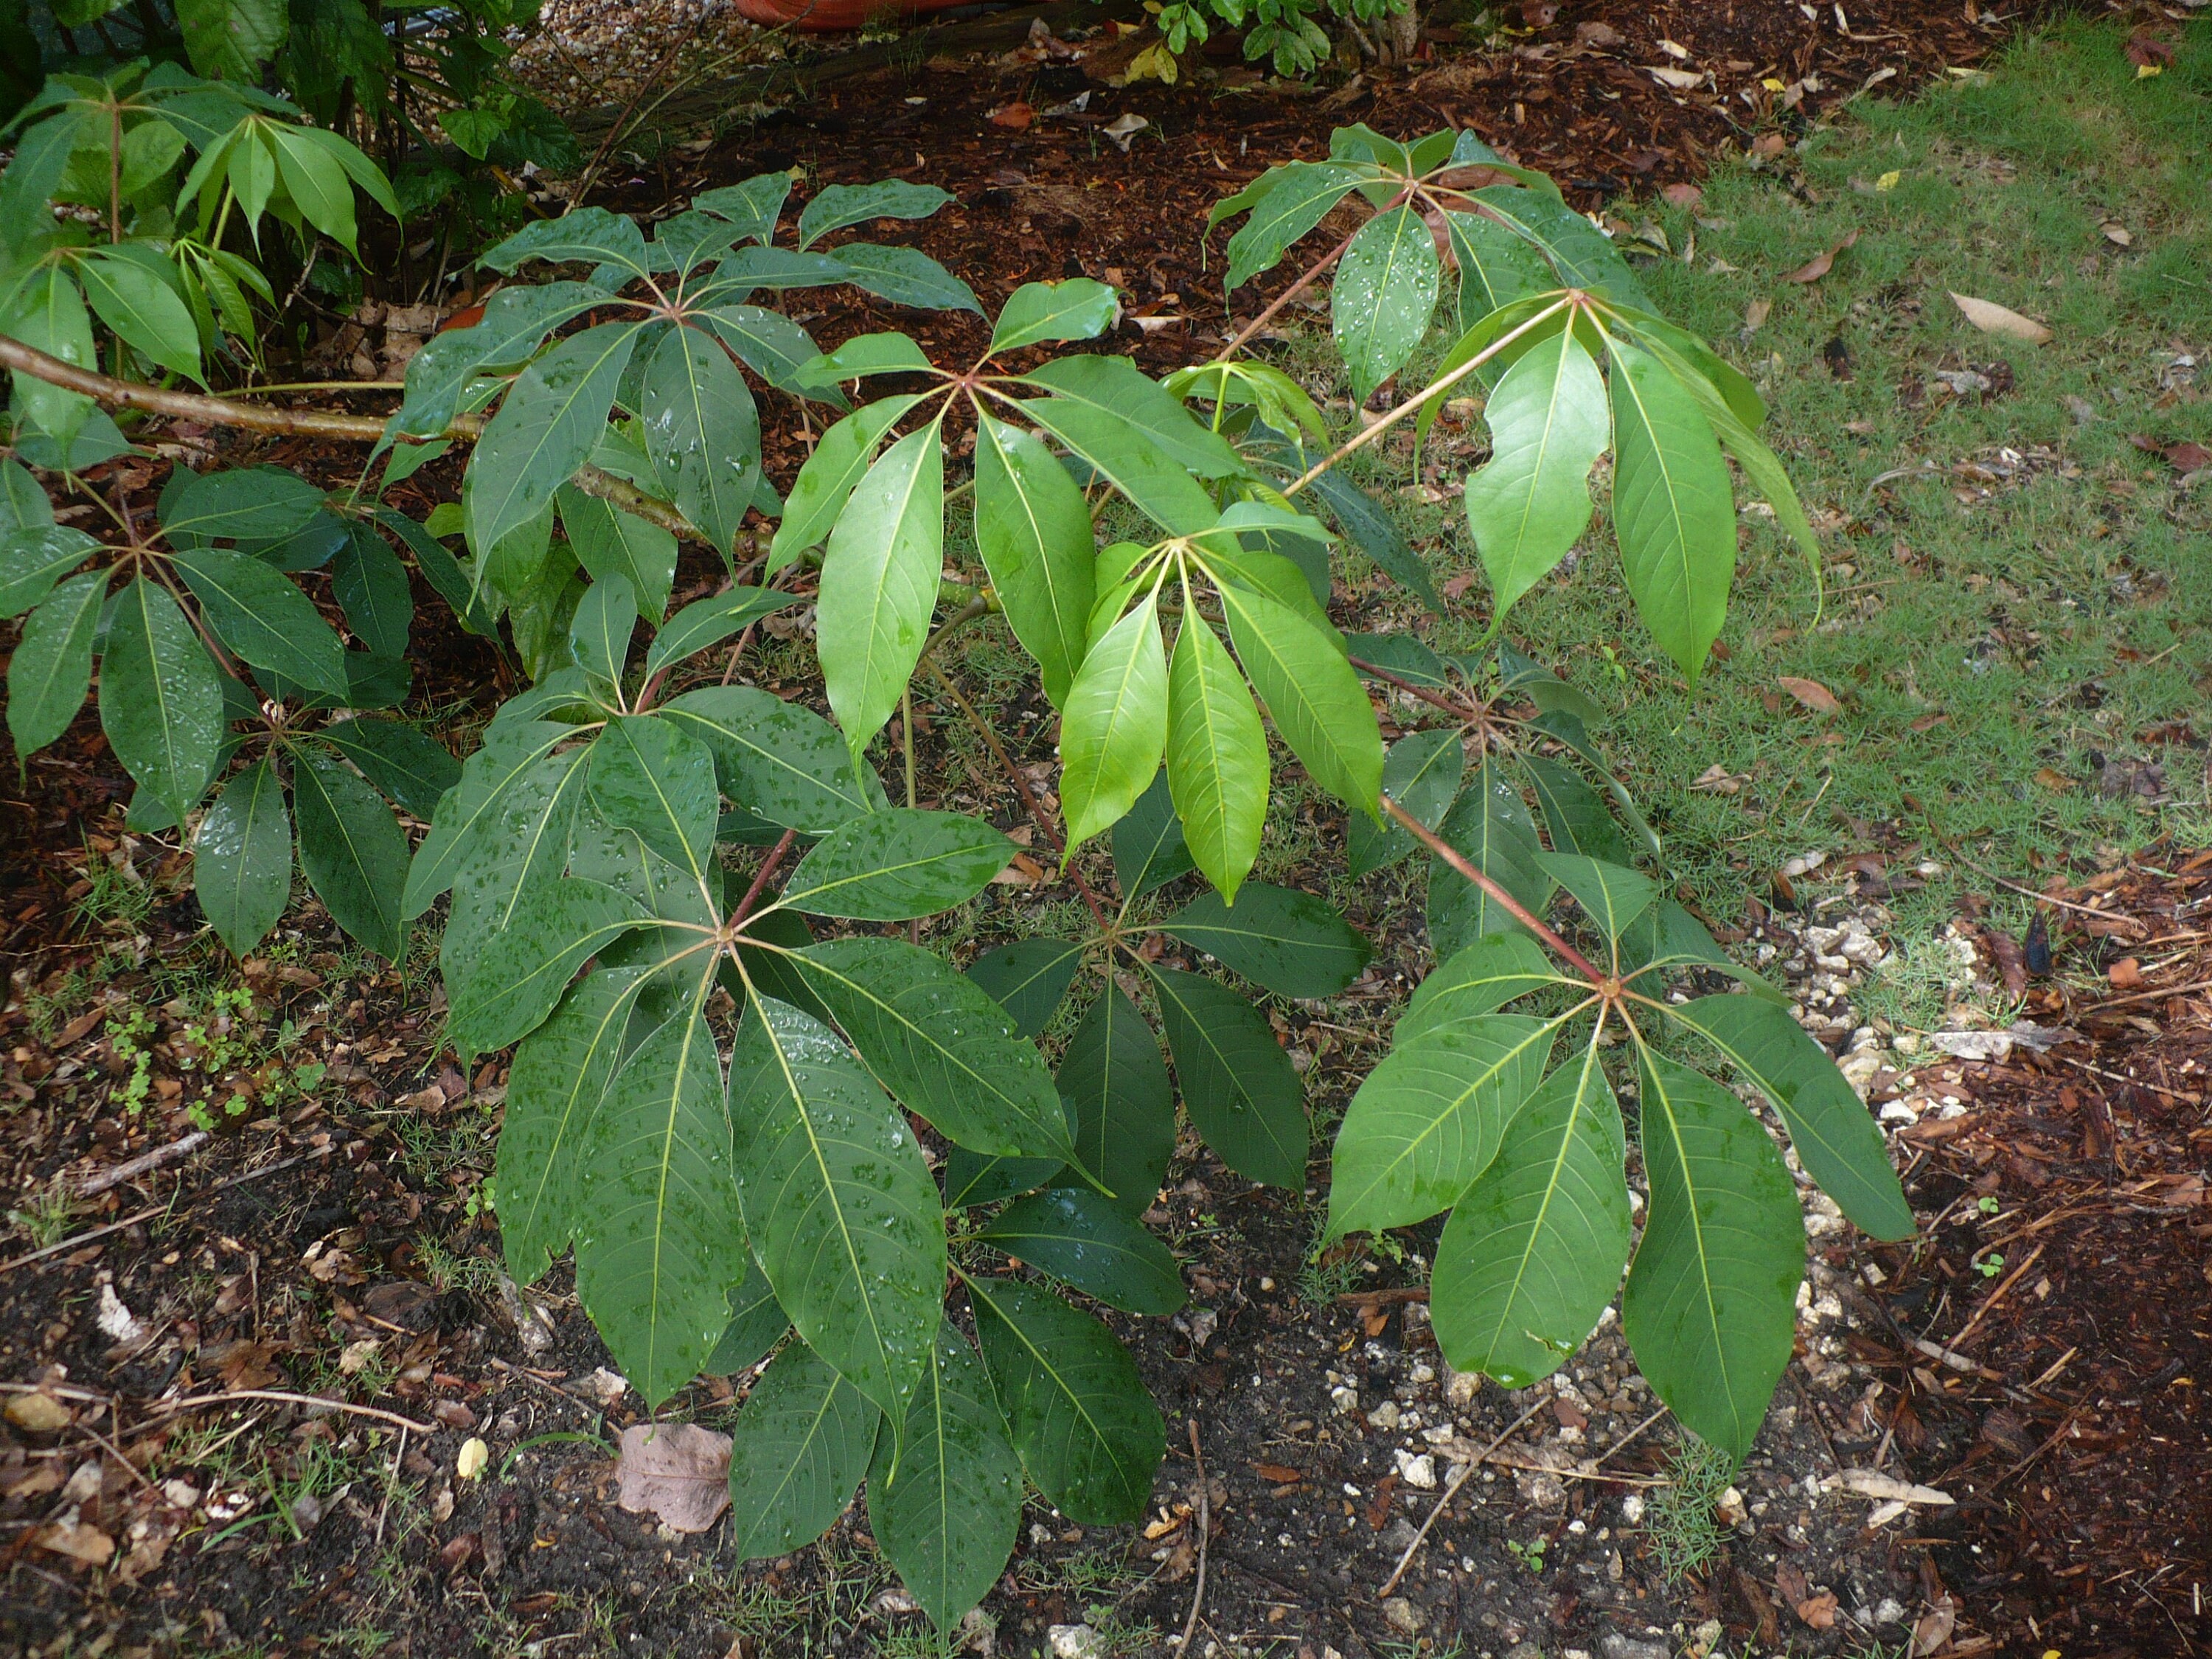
x: 1375, y: 534
x: 51, y: 667
x: 835, y: 206
x: 1156, y: 483
x: 1115, y: 1087
x: 1383, y: 295
x: 242, y: 858
x: 798, y: 1452
x: 515, y: 322
x: 703, y: 432
x: 1033, y: 529
x: 778, y: 759
x: 709, y: 622
x: 609, y: 542
x: 1082, y: 1239
x: 353, y: 851
x: 879, y: 578
x: 1238, y: 1083
x: 161, y: 699
x: 1217, y: 756
x: 1668, y: 937
x: 1526, y: 506
x: 1114, y: 727
x: 1495, y: 267
x: 1711, y: 1306
x: 897, y: 864
x: 1299, y: 198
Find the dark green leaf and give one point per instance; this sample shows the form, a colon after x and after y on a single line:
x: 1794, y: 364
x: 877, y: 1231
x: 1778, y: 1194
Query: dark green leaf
x: 1115, y: 1087
x: 1291, y: 943
x: 1086, y: 1241
x: 610, y: 542
x: 353, y: 850
x: 502, y: 988
x: 403, y: 761
x: 242, y: 858
x: 704, y: 622
x: 505, y: 825
x: 1027, y: 978
x: 265, y: 618
x: 260, y: 508
x: 161, y: 699
x: 1301, y: 196
x: 1373, y: 532
x: 1149, y: 849
x: 515, y: 321
x: 1490, y: 827
x: 898, y: 863
x: 1477, y: 982
x: 1495, y: 267
x: 370, y: 585
x: 1578, y: 821
x: 905, y: 276
x: 1422, y: 772
x: 703, y: 432
x: 754, y: 206
x: 771, y: 345
x: 599, y: 633
x: 1611, y: 896
x: 51, y: 667
x: 655, y: 778
x: 778, y: 759
x: 757, y: 1323
x: 545, y: 430
x: 1238, y: 1083
x: 835, y: 206
x: 590, y: 234
x: 798, y: 1452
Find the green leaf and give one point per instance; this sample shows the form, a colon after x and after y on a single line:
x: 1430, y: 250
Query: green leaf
x: 242, y: 858
x: 1401, y: 655
x: 1027, y: 978
x: 265, y: 618
x: 1476, y: 982
x: 1578, y: 820
x: 1422, y: 772
x: 1377, y: 535
x: 474, y: 823
x: 945, y: 1494
x: 897, y: 865
x: 1837, y: 1140
x: 1292, y: 943
x: 1582, y: 255
x: 772, y: 268
x: 1667, y: 936
x: 940, y: 1045
x: 1383, y: 295
x: 1086, y: 1241
x: 1530, y: 502
x: 1075, y: 310
x: 1673, y: 508
x: 160, y: 698
x: 545, y: 430
x: 704, y: 622
x: 1611, y: 896
x: 865, y: 355
x: 835, y: 206
x: 843, y: 1215
x: 1495, y: 267
x: 757, y: 1323
x: 703, y: 432
x: 754, y: 205
x: 1429, y: 1119
x: 262, y: 509
x: 1217, y: 755
x: 453, y: 584
x: 1111, y: 386
x: 51, y: 667
x: 589, y: 235
x: 655, y: 778
x: 779, y: 759
x: 370, y: 585
x: 1301, y: 196
x: 1534, y: 1248
x: 1125, y: 455
x: 1033, y: 530
x: 610, y: 542
x: 232, y: 40
x: 1088, y: 1432
x: 798, y: 1452
x: 1710, y: 1307
x: 1238, y: 1083
x: 825, y: 484
x: 503, y: 988
x: 599, y: 633
x: 515, y: 321
x: 905, y: 276
x: 771, y: 345
x: 23, y: 503
x: 659, y: 1230
x: 1114, y: 1086
x: 560, y: 1074
x: 33, y: 558
x: 142, y: 308
x: 319, y: 187
x: 47, y: 311
x: 1149, y: 848
x: 354, y: 852
x: 973, y: 1179
x: 1490, y: 827
x: 1316, y: 701
x: 1113, y: 729
x: 879, y: 578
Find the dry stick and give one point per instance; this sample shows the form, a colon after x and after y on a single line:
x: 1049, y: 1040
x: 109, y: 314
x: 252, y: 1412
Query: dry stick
x: 131, y: 1168
x: 2149, y: 996
x: 1505, y: 900
x: 153, y: 1210
x: 169, y: 1407
x: 1205, y: 1531
x: 309, y: 423
x: 1460, y: 1479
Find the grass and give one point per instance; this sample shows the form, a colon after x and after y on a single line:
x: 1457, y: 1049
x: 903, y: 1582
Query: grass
x: 1678, y: 1520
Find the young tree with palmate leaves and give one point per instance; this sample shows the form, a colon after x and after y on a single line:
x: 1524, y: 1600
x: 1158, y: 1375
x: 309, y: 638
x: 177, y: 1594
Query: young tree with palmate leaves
x: 742, y: 1176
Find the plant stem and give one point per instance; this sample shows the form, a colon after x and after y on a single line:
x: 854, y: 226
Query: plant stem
x: 1505, y: 900
x: 760, y: 877
x: 1426, y: 694
x: 1284, y: 299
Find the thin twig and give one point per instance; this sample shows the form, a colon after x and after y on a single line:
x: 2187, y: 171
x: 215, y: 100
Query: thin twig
x: 391, y: 1483
x: 1205, y: 1531
x: 153, y: 1210
x: 131, y: 1168
x: 1505, y: 900
x: 760, y: 877
x: 1460, y: 1478
x: 1998, y: 1294
x: 170, y: 1408
x: 2152, y: 995
x: 1426, y: 694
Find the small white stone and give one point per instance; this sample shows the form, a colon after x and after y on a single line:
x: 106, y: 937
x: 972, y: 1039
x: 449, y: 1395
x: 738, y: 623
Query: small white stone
x: 1346, y: 1400
x: 1075, y: 1642
x: 1416, y: 1471
x: 1384, y: 1416
x: 1631, y: 1509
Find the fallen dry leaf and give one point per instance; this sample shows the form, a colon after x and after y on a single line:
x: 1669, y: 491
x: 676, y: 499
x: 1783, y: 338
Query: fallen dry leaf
x: 38, y: 1413
x: 1993, y: 319
x: 2125, y: 974
x: 1015, y: 116
x: 2117, y: 233
x: 1768, y: 145
x: 1683, y: 196
x: 1821, y: 264
x: 1933, y: 1628
x: 84, y: 1544
x: 2188, y: 456
x: 1755, y: 313
x: 1596, y: 34
x: 1717, y: 780
x: 1873, y: 1483
x: 676, y: 1471
x: 1813, y: 695
x: 1280, y: 1474
x: 1681, y: 79
x: 1819, y: 1611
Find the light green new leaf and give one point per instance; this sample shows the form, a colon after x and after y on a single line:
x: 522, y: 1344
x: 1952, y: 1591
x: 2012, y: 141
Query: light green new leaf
x: 1238, y: 1083
x: 545, y: 430
x: 1073, y: 310
x: 1490, y: 827
x: 160, y: 698
x: 841, y: 458
x: 1126, y: 456
x: 1316, y: 700
x: 895, y: 865
x: 1422, y: 772
x: 1292, y: 943
x: 1115, y: 1087
x: 1836, y: 1137
x: 1428, y: 1120
x: 653, y: 777
x: 940, y: 1045
x: 1217, y: 755
x: 52, y: 668
x: 703, y: 432
x: 879, y: 577
x: 944, y: 1493
x: 1082, y: 1239
x: 1087, y: 1430
x: 779, y: 760
x: 1673, y: 508
x: 242, y: 858
x: 1033, y: 529
x: 843, y: 1215
x: 1611, y: 896
x: 1710, y: 1307
x: 503, y: 989
x: 144, y: 309
x: 1113, y: 729
x: 1534, y: 1248
x: 353, y: 850
x: 798, y: 1452
x: 1548, y: 424
x: 659, y: 1233
x: 1383, y: 295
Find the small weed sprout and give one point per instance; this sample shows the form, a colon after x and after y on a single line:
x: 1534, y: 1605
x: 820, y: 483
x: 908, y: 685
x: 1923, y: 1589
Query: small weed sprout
x: 45, y: 1216
x: 1530, y: 1555
x: 1679, y: 1521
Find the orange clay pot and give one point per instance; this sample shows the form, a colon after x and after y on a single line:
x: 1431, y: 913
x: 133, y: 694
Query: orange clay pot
x: 827, y: 16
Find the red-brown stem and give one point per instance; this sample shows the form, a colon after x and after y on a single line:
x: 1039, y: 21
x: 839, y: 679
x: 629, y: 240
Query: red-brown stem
x: 1505, y: 900
x: 760, y: 877
x: 1424, y: 693
x: 1284, y: 298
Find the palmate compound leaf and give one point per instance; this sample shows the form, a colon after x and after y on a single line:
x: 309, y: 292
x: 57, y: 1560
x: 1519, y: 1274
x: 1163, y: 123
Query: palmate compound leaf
x: 1612, y: 898
x: 945, y: 1494
x: 1083, y: 1239
x: 798, y: 1451
x: 1490, y: 827
x: 778, y: 760
x: 898, y: 863
x: 1383, y: 294
x: 844, y: 1218
x: 1292, y: 943
x: 1711, y: 1306
x: 51, y: 667
x: 1528, y: 504
x: 1027, y: 978
x: 658, y: 1229
x: 1114, y: 727
x: 879, y: 578
x: 1429, y: 1119
x: 1238, y: 1085
x: 940, y: 1045
x: 1534, y: 1248
x: 1033, y: 529
x: 1476, y: 981
x: 1836, y: 1137
x: 480, y: 820
x: 545, y: 430
x: 703, y: 432
x: 1217, y: 756
x: 242, y: 858
x: 1088, y: 1432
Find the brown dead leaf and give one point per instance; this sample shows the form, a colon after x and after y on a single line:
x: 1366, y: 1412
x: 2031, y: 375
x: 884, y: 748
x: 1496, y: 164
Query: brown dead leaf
x: 1993, y: 319
x: 83, y: 1543
x: 1819, y: 1611
x: 1015, y: 116
x: 1717, y: 780
x: 1596, y: 34
x: 1811, y: 693
x: 1755, y: 313
x: 2125, y: 975
x: 1928, y: 722
x: 678, y: 1473
x: 1455, y: 586
x: 1792, y: 1583
x: 1683, y: 195
x: 1933, y: 1628
x: 1279, y: 1474
x: 1768, y: 145
x: 1821, y: 264
x: 38, y: 1413
x: 2189, y: 457
x: 2118, y: 233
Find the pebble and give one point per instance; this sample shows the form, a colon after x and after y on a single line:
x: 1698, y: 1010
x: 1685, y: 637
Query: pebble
x: 1384, y: 1416
x: 1404, y: 1616
x: 1075, y: 1642
x: 1416, y: 1471
x: 1614, y: 1645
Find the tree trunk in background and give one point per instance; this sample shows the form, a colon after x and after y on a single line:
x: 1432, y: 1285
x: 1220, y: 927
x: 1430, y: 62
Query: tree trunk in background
x: 1397, y: 35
